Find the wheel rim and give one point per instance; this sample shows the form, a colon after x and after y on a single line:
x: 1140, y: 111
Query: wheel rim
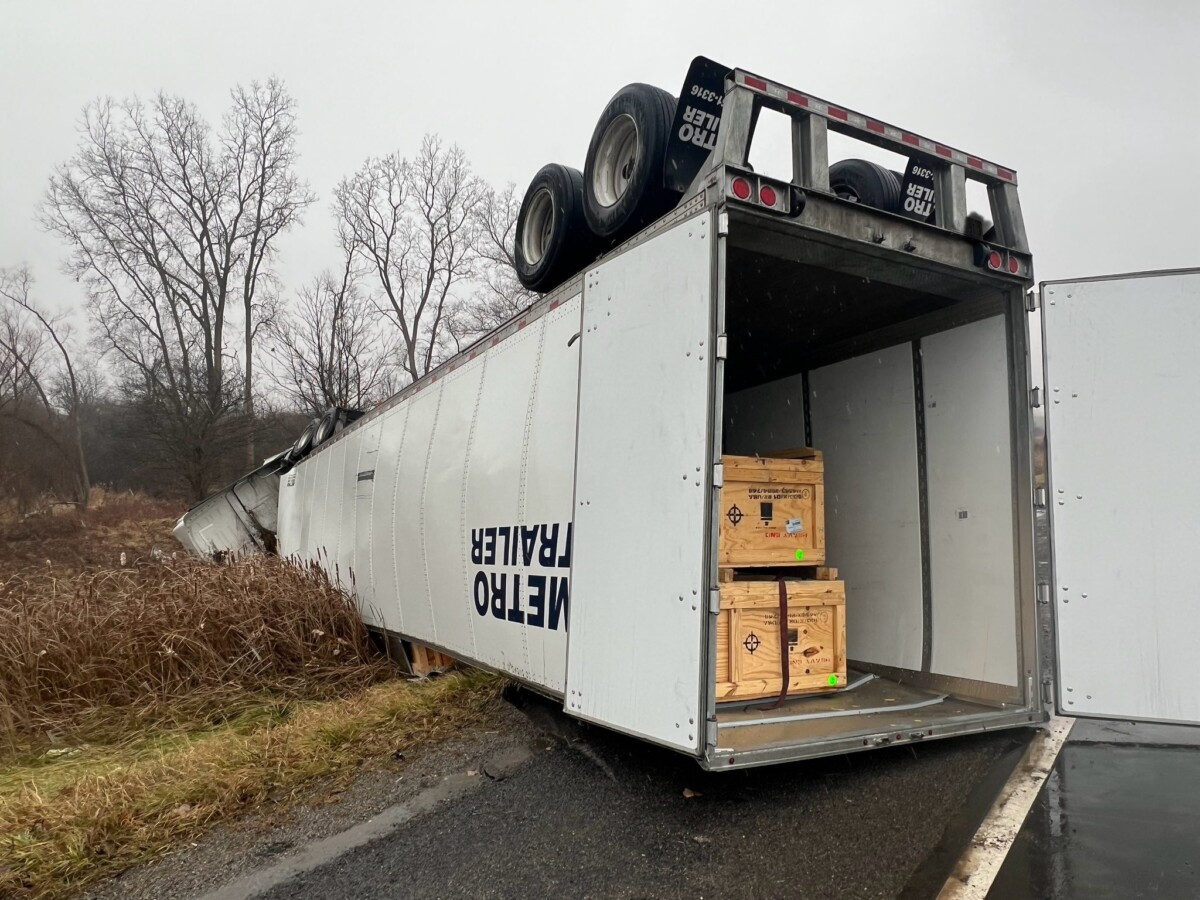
x: 845, y: 192
x: 539, y: 227
x: 616, y: 158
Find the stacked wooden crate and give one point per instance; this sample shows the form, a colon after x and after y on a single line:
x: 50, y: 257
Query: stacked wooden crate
x: 425, y: 660
x: 772, y: 538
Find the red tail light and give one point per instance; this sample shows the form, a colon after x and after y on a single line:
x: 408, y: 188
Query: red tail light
x: 766, y: 194
x: 1014, y: 265
x: 995, y: 260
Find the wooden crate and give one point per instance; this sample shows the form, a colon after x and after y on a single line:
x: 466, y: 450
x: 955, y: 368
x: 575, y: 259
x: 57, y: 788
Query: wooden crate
x: 749, y: 665
x: 425, y: 660
x: 772, y: 511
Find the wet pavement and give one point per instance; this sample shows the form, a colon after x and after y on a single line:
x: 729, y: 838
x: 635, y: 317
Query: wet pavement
x: 1113, y: 820
x: 601, y: 815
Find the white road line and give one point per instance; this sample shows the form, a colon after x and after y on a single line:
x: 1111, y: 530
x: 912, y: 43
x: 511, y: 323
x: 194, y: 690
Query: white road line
x: 977, y: 867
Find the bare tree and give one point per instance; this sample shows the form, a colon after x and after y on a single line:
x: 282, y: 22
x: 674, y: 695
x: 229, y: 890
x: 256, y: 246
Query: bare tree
x: 499, y: 294
x: 171, y: 228
x: 260, y: 141
x: 413, y: 226
x: 329, y: 350
x: 28, y: 335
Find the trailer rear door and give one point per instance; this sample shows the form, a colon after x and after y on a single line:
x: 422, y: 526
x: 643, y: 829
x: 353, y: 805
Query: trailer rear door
x: 642, y: 482
x: 1123, y: 421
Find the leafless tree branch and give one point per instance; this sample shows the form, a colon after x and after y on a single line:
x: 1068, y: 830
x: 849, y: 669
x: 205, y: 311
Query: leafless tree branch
x: 172, y: 229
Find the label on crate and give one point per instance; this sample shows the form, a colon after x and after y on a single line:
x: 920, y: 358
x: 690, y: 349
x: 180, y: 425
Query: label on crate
x: 810, y: 638
x: 772, y: 492
x: 522, y: 573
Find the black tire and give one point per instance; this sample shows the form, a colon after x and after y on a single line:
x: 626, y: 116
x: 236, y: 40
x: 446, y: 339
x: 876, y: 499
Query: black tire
x: 623, y: 177
x: 327, y: 427
x: 862, y: 181
x: 304, y: 441
x: 553, y: 241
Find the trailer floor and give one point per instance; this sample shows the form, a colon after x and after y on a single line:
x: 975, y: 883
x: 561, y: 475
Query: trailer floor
x: 875, y: 705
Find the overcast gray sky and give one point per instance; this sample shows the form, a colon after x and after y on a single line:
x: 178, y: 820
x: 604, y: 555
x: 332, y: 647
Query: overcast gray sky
x: 1095, y: 104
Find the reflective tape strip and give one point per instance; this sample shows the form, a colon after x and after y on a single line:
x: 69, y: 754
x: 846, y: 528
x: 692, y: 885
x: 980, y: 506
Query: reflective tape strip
x: 864, y: 123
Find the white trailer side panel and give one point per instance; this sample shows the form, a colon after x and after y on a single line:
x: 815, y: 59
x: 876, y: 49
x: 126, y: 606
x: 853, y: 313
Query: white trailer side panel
x: 316, y: 487
x: 385, y: 491
x: 864, y: 421
x: 412, y: 471
x: 968, y: 447
x: 492, y: 505
x: 453, y: 508
x: 291, y: 519
x: 318, y: 533
x: 347, y: 527
x: 331, y: 523
x: 364, y: 501
x: 547, y: 483
x: 515, y: 511
x: 447, y: 546
x: 643, y: 481
x: 1123, y: 414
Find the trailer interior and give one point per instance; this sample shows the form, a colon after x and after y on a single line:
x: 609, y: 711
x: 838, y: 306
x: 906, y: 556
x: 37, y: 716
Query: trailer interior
x: 909, y: 375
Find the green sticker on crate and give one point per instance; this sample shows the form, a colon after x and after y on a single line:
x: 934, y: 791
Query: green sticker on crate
x: 799, y: 554
x: 833, y: 679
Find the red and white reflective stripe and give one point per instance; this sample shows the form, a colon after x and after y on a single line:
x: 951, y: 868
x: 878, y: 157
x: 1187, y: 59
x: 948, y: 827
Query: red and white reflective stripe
x: 865, y: 123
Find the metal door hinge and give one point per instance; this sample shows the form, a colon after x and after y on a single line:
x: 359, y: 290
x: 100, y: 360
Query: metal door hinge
x: 714, y: 600
x: 722, y: 346
x: 710, y: 732
x: 1043, y: 593
x: 722, y: 223
x: 718, y: 475
x: 1035, y: 398
x: 1039, y: 497
x: 1047, y: 691
x: 1033, y: 301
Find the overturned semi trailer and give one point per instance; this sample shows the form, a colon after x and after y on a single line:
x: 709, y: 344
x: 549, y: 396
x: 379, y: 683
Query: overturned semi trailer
x: 238, y: 520
x: 548, y: 502
x: 242, y: 519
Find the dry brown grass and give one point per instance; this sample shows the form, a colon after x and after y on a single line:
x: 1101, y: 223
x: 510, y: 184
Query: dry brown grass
x: 140, y: 703
x: 173, y: 642
x: 65, y: 540
x: 98, y: 810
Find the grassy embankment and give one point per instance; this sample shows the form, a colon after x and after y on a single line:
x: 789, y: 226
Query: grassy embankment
x: 146, y: 695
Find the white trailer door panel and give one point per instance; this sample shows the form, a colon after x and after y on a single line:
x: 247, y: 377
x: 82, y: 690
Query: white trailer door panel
x: 642, y: 482
x: 1123, y: 419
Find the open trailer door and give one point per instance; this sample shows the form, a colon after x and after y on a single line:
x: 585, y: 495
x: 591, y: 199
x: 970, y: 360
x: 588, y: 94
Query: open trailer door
x: 642, y: 482
x: 1122, y: 358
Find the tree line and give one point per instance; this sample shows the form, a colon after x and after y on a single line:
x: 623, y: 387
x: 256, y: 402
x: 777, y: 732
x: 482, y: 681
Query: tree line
x: 197, y: 360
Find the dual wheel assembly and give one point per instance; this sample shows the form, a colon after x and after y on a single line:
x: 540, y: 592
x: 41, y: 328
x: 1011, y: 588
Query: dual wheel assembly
x: 321, y: 429
x: 569, y: 217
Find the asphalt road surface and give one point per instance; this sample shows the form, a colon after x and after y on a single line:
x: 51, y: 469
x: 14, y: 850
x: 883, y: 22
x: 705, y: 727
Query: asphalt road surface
x: 1118, y: 818
x: 595, y: 814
